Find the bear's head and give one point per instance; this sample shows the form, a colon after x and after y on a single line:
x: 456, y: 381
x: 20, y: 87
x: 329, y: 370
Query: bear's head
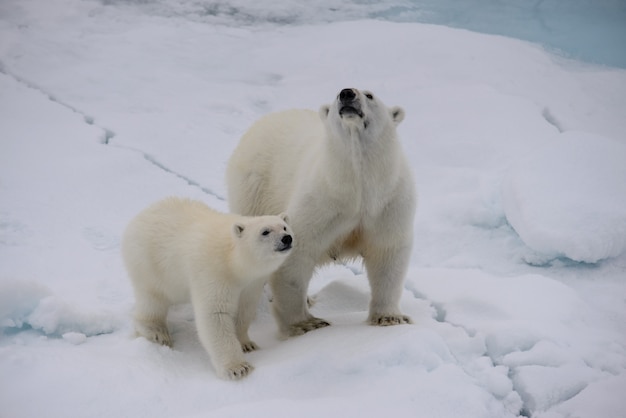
x: 358, y: 110
x: 263, y: 242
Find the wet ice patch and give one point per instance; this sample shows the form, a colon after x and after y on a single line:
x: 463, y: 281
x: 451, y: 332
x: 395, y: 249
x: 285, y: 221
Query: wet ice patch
x: 569, y: 198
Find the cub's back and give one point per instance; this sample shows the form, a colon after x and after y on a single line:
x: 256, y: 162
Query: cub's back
x: 170, y: 228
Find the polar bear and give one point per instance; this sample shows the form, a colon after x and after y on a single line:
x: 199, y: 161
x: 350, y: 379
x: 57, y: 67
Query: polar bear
x: 343, y: 180
x: 179, y: 250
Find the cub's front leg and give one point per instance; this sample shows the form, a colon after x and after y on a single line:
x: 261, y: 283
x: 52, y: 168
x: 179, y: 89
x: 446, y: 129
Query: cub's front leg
x: 216, y: 325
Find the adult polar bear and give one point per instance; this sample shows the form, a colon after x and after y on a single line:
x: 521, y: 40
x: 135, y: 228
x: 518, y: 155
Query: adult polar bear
x: 343, y: 180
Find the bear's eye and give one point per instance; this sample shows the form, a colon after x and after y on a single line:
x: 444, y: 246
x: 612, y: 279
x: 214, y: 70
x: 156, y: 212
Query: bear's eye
x: 265, y: 232
x: 369, y: 96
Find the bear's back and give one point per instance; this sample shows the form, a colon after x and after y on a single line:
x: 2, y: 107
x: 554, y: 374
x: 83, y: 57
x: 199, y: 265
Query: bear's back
x: 280, y: 134
x: 274, y: 150
x: 175, y: 226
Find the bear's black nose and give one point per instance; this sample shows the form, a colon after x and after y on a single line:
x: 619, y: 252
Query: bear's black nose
x: 347, y: 95
x: 287, y: 240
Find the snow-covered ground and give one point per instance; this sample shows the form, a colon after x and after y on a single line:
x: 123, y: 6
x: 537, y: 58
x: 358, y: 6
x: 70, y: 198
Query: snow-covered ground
x: 518, y: 277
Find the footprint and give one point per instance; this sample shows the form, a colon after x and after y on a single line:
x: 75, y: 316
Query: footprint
x: 12, y: 231
x: 100, y: 240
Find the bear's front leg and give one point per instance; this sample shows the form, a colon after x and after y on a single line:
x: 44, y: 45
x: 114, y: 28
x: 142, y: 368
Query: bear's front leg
x: 386, y: 269
x: 289, y: 291
x: 215, y: 322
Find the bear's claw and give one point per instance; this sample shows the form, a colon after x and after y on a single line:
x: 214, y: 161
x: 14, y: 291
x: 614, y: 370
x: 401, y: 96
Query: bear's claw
x: 249, y: 346
x: 163, y: 339
x: 305, y: 326
x: 155, y: 333
x: 387, y: 320
x: 239, y: 371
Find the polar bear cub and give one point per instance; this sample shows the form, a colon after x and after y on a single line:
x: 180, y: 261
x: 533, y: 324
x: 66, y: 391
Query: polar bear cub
x: 342, y: 177
x: 179, y: 250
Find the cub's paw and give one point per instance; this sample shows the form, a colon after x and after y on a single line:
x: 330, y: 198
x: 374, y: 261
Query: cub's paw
x: 155, y: 333
x: 249, y: 346
x: 238, y: 371
x: 306, y: 326
x: 384, y: 320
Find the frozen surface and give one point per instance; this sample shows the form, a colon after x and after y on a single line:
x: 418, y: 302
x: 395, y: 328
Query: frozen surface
x: 569, y: 198
x: 517, y: 279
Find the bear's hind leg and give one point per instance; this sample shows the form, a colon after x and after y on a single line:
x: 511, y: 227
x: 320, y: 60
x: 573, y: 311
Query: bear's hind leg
x: 151, y: 319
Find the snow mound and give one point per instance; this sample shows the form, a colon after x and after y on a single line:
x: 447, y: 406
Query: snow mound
x: 602, y: 395
x: 32, y: 306
x: 543, y: 387
x: 569, y: 198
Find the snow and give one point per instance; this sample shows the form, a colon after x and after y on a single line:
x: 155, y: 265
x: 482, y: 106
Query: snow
x: 516, y: 283
x: 569, y: 198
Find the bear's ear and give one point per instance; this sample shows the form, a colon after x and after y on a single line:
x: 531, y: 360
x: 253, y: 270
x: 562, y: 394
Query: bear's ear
x: 324, y: 110
x: 397, y: 114
x: 284, y: 217
x: 238, y: 230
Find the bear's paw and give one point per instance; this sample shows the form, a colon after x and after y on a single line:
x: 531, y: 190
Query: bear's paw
x: 155, y: 332
x: 237, y: 371
x: 306, y: 326
x: 384, y: 320
x: 249, y: 346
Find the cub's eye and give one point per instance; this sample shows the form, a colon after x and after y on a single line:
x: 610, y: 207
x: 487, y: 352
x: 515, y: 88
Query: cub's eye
x: 369, y: 96
x: 265, y: 232
x: 285, y: 228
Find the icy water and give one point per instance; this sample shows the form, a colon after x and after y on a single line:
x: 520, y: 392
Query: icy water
x: 587, y: 30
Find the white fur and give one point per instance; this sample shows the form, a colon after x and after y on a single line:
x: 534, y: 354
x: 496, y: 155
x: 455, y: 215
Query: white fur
x: 179, y: 250
x: 348, y: 191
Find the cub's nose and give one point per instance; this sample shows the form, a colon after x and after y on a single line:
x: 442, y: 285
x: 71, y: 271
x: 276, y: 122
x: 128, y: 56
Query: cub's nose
x: 347, y: 95
x: 287, y: 240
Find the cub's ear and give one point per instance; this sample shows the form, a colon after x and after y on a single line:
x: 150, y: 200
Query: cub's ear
x: 238, y: 230
x: 284, y: 217
x: 397, y: 114
x: 324, y: 110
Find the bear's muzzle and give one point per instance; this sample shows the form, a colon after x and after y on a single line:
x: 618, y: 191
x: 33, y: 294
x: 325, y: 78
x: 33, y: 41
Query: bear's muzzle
x: 349, y: 103
x: 285, y: 243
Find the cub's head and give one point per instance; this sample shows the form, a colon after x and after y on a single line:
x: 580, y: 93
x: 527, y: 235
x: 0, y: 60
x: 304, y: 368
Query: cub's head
x: 263, y: 242
x: 360, y: 109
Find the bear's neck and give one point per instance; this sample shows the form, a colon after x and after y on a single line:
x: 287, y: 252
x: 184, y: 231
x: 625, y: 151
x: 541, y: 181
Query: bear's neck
x: 367, y: 166
x: 247, y: 268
